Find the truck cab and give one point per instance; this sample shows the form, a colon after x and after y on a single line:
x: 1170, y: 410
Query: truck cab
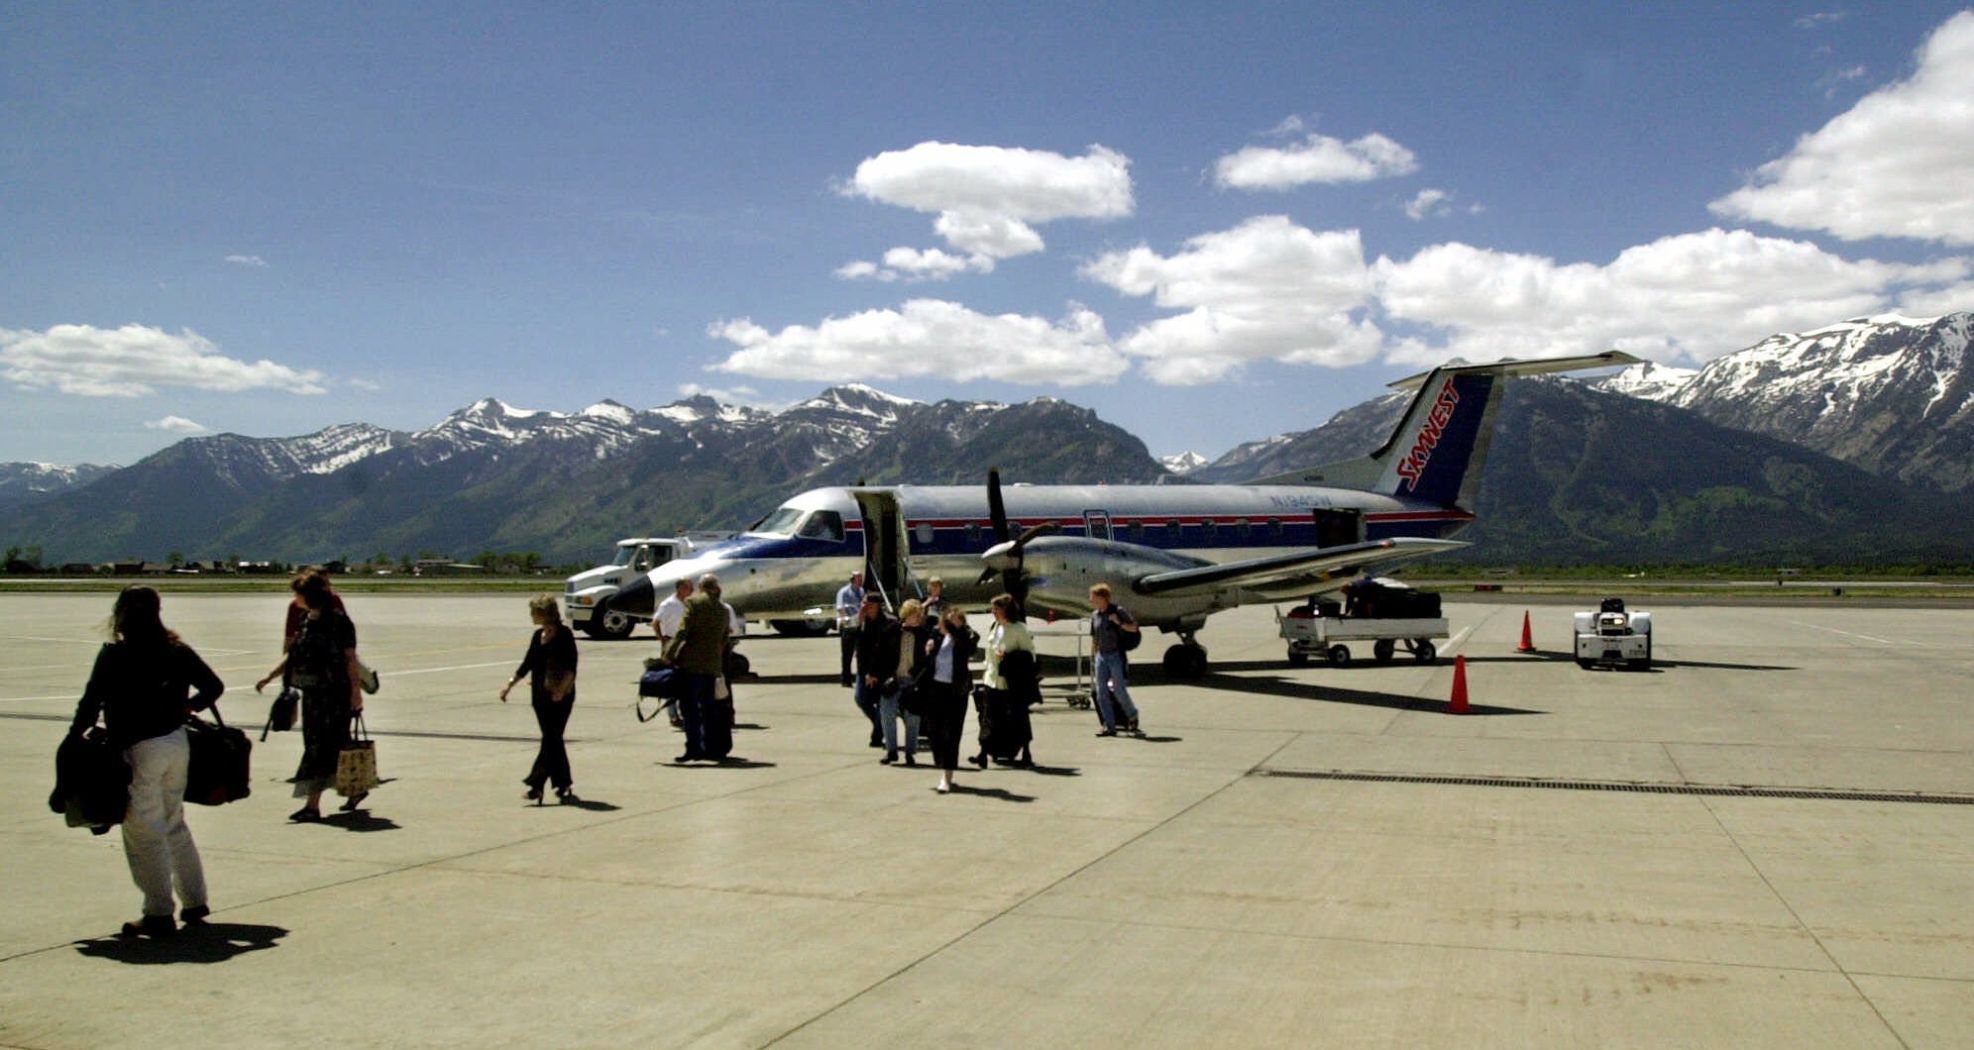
x: 587, y: 595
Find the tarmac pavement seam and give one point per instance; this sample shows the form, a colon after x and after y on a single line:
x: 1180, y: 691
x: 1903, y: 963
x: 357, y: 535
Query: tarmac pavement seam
x: 1803, y: 926
x: 1003, y: 913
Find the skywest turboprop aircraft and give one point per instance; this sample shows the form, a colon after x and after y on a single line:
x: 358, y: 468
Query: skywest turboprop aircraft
x: 1173, y: 554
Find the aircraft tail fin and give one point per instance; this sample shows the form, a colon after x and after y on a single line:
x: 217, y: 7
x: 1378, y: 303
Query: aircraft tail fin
x: 1440, y: 445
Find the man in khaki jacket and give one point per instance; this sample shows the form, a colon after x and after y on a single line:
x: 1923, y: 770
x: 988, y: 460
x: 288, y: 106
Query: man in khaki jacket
x: 698, y: 654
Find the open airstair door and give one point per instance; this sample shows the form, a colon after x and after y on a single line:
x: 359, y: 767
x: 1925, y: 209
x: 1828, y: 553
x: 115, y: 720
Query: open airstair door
x: 884, y: 544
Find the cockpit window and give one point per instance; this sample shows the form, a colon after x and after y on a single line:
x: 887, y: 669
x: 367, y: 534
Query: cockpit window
x: 780, y: 523
x: 823, y: 525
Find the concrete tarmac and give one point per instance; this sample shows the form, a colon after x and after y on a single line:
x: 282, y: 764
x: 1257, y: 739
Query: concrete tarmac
x: 1313, y: 856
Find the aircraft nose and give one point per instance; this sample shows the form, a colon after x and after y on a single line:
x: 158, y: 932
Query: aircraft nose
x: 636, y: 597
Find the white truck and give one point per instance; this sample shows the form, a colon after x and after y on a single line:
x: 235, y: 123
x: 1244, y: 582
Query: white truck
x: 1614, y: 637
x: 587, y: 595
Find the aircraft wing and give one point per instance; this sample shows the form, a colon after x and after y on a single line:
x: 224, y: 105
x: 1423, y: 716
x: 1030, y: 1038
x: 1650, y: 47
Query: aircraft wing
x: 1317, y: 566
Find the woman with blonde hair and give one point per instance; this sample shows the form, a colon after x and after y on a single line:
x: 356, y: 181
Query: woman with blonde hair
x: 140, y: 685
x: 550, y: 668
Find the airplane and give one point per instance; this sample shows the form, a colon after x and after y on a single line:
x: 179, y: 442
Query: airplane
x: 1173, y: 554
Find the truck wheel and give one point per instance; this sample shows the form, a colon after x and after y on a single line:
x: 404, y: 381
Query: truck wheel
x: 1423, y: 651
x: 1587, y: 664
x: 611, y: 624
x: 1383, y: 649
x: 1339, y: 655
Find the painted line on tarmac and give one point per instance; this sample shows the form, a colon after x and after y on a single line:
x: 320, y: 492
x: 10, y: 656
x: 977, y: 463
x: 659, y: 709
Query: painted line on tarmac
x: 441, y: 670
x: 1866, y: 637
x: 32, y: 699
x: 1458, y: 637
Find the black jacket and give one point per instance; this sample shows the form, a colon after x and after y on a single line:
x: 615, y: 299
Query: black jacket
x: 92, y: 782
x: 144, y: 691
x: 877, y: 648
x: 964, y: 643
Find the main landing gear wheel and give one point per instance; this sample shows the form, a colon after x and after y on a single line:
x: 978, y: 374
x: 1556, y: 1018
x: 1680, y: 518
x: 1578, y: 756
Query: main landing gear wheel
x: 799, y: 628
x: 1185, y: 660
x: 610, y: 624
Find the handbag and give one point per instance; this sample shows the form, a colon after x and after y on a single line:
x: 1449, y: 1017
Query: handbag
x: 904, y: 692
x: 218, y: 770
x: 356, y: 763
x: 281, y: 713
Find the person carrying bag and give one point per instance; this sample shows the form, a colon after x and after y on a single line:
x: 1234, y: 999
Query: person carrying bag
x: 140, y: 688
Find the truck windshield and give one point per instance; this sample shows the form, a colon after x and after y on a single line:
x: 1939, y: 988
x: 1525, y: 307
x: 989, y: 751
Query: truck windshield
x: 624, y: 555
x: 780, y: 523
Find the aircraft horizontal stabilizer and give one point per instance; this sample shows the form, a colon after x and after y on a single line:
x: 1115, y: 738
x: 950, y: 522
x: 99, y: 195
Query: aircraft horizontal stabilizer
x: 1535, y: 366
x: 1316, y: 566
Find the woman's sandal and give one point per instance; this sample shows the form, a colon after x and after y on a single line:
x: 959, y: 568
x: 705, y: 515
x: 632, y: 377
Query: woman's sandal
x: 353, y: 801
x: 305, y: 815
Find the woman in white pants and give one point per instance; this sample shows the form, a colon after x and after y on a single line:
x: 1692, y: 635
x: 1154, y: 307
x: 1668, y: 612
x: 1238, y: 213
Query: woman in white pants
x: 144, y: 684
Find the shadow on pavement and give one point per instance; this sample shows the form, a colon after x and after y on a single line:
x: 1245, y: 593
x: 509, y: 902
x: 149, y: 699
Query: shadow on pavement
x: 1359, y: 697
x: 1001, y: 793
x: 208, y: 942
x: 1056, y: 771
x: 360, y: 820
x: 592, y: 805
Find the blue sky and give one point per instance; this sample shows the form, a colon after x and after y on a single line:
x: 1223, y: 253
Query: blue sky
x: 1211, y: 223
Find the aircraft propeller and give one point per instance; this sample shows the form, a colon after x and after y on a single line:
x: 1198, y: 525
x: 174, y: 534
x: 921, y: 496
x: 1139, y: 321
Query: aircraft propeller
x: 1006, y: 557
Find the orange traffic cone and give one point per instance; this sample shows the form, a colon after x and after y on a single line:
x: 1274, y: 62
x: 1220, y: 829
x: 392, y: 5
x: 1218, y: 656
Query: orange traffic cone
x: 1528, y: 640
x: 1458, y: 705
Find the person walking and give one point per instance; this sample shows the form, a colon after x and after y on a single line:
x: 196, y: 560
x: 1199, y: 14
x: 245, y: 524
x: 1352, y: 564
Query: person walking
x: 321, y: 662
x: 140, y: 686
x: 849, y: 606
x: 943, y: 684
x: 935, y: 598
x: 906, y: 640
x: 1012, y: 682
x: 550, y: 668
x: 1108, y: 624
x: 666, y: 622
x: 698, y: 654
x: 874, y: 658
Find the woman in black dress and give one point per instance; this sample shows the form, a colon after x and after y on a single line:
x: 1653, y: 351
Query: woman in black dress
x: 550, y: 668
x: 322, y: 664
x: 943, y: 684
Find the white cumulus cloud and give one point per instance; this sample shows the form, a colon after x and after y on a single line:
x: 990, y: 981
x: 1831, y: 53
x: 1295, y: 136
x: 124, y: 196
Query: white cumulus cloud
x: 176, y: 425
x: 928, y: 337
x: 1689, y: 297
x: 914, y: 264
x: 254, y: 261
x: 1899, y: 163
x: 1267, y: 289
x: 1318, y: 158
x: 986, y: 197
x: 1428, y: 203
x: 134, y: 361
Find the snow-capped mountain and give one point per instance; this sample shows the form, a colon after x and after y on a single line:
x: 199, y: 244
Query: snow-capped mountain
x: 1648, y: 380
x: 560, y: 482
x: 22, y: 483
x: 1183, y: 463
x: 1891, y: 394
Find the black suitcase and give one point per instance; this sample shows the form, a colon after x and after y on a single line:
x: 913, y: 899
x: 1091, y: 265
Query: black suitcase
x: 716, y: 728
x: 221, y: 758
